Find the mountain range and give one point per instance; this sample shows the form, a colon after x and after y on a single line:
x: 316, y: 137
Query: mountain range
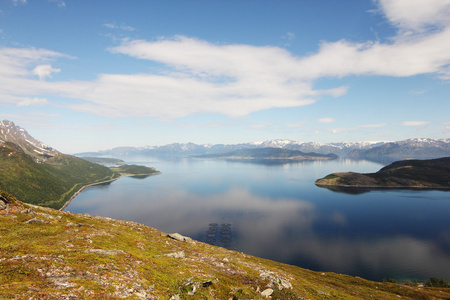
x: 411, y: 148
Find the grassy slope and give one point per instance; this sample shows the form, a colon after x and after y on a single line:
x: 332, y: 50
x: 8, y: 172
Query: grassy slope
x: 434, y: 173
x: 71, y: 256
x: 50, y: 183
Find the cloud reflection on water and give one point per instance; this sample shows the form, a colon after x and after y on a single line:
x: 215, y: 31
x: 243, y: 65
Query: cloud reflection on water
x: 284, y: 229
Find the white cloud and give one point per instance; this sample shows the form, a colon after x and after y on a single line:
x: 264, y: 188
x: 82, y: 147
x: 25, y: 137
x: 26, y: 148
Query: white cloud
x: 414, y: 123
x: 44, y: 71
x: 235, y: 80
x: 416, y: 15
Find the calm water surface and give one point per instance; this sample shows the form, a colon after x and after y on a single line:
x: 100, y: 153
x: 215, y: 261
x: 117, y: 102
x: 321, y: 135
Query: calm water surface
x: 275, y: 211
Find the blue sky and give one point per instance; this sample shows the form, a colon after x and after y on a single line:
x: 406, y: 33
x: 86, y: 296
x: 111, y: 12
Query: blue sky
x: 92, y: 75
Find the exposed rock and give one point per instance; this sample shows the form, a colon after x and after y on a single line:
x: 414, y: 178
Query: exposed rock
x: 181, y: 238
x: 266, y: 293
x: 323, y: 293
x: 276, y: 280
x: 102, y: 251
x: 28, y: 211
x: 2, y: 204
x: 179, y: 254
x: 34, y: 220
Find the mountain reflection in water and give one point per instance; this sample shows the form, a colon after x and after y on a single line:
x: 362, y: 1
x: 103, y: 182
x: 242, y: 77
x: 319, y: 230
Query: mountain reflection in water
x: 276, y: 212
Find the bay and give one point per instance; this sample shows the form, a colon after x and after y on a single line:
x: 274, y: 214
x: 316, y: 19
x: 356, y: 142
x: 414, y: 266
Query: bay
x: 275, y: 211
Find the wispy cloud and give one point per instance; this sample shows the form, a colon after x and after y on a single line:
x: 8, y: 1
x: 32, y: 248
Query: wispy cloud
x: 414, y: 123
x: 121, y: 27
x: 447, y: 127
x: 33, y: 101
x: 60, y: 3
x: 296, y: 124
x: 418, y: 92
x: 326, y: 120
x: 359, y: 127
x: 17, y: 2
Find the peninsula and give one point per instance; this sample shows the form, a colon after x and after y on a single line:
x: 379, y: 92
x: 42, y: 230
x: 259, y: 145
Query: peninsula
x: 270, y: 153
x: 432, y: 173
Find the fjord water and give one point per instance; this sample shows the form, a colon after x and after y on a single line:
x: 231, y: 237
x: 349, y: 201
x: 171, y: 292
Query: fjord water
x: 275, y: 211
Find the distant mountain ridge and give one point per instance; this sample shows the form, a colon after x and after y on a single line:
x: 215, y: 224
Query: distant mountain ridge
x: 411, y: 148
x: 270, y: 153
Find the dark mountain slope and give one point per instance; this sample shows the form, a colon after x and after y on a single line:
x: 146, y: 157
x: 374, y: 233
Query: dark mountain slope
x: 434, y: 173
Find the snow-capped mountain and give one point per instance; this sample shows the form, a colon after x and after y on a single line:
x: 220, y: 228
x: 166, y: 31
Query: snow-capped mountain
x: 9, y: 132
x: 411, y: 148
x: 188, y: 149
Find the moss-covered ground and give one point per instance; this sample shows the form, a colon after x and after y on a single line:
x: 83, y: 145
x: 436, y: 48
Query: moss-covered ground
x: 49, y: 254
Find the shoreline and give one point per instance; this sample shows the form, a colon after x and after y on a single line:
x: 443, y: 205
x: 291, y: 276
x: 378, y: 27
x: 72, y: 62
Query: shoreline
x: 383, y: 187
x: 92, y: 184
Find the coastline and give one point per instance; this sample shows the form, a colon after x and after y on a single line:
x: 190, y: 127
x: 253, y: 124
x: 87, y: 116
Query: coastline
x: 82, y: 188
x: 92, y: 184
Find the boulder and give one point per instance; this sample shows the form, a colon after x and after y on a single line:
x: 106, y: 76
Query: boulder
x: 181, y: 238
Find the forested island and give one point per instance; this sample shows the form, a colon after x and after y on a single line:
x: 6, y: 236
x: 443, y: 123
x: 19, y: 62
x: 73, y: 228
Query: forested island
x: 432, y: 173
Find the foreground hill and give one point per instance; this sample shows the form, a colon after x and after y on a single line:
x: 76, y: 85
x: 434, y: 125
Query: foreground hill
x: 39, y: 174
x: 434, y: 173
x: 270, y: 154
x: 50, y: 254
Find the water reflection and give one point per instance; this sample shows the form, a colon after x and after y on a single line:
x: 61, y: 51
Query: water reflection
x: 362, y: 190
x: 278, y: 213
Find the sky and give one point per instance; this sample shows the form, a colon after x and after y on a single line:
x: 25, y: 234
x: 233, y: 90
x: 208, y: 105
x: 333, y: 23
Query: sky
x: 84, y: 75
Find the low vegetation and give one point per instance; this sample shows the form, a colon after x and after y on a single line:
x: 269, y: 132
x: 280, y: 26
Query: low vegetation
x: 126, y: 170
x: 50, y: 254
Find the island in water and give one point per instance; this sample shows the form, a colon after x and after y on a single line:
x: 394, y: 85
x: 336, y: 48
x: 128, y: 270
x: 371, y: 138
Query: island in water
x: 270, y: 153
x: 432, y: 173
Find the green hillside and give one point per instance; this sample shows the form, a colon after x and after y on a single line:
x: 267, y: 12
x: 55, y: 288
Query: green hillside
x: 50, y: 183
x: 432, y: 173
x: 51, y: 254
